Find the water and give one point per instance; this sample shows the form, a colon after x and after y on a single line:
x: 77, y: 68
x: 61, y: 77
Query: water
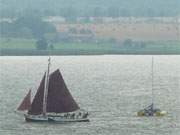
x: 111, y: 88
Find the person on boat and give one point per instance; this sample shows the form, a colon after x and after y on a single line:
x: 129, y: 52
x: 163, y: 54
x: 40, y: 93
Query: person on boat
x: 65, y: 115
x: 73, y: 115
x: 150, y: 110
x: 79, y: 115
x: 85, y: 115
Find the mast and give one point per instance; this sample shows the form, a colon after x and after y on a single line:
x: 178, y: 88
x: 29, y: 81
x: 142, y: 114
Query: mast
x: 152, y: 77
x: 46, y: 85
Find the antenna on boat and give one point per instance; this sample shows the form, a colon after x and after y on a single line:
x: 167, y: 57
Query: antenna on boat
x: 152, y: 79
x: 46, y: 85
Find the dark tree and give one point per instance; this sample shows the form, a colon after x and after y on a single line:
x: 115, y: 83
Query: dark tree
x: 128, y: 43
x: 35, y: 24
x: 51, y: 46
x: 42, y: 44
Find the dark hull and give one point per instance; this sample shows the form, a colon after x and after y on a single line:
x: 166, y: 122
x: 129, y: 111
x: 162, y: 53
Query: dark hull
x: 35, y: 120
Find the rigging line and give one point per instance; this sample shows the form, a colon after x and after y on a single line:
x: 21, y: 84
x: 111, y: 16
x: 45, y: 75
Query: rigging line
x: 152, y: 77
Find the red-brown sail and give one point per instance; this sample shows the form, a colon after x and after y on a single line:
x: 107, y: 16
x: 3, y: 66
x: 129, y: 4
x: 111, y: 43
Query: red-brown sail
x: 37, y: 104
x: 59, y: 99
x: 26, y: 103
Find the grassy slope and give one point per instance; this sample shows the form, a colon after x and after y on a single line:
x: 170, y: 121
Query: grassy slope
x: 14, y: 43
x: 27, y: 47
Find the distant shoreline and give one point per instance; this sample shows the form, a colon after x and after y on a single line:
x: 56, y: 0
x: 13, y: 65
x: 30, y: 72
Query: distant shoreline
x: 27, y: 47
x: 19, y: 52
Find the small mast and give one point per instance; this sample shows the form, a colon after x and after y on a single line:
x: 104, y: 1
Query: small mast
x: 46, y: 85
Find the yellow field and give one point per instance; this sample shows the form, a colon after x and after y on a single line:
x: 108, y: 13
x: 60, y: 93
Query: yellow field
x: 121, y: 31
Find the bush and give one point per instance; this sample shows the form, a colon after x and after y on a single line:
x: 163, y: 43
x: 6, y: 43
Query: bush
x: 128, y: 43
x: 42, y: 44
x: 51, y: 47
x: 30, y: 26
x: 112, y: 40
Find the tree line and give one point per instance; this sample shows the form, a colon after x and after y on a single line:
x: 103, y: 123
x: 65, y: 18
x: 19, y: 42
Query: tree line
x: 26, y: 27
x: 29, y: 27
x: 71, y: 9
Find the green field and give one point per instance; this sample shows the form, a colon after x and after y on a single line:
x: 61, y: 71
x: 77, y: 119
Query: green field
x: 15, y: 43
x: 28, y: 47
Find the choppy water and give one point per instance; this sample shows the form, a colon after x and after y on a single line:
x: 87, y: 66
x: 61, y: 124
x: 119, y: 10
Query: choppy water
x: 111, y: 88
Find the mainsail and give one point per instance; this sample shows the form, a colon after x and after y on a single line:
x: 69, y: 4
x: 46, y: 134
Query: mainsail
x: 26, y: 103
x: 59, y: 99
x: 37, y: 104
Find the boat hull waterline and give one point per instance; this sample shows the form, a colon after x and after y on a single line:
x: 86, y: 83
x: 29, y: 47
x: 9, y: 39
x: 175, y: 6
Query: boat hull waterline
x: 40, y: 118
x: 158, y: 114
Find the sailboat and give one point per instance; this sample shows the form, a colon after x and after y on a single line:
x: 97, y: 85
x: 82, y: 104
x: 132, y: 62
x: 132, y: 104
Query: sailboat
x: 26, y: 103
x: 151, y: 110
x: 53, y: 102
